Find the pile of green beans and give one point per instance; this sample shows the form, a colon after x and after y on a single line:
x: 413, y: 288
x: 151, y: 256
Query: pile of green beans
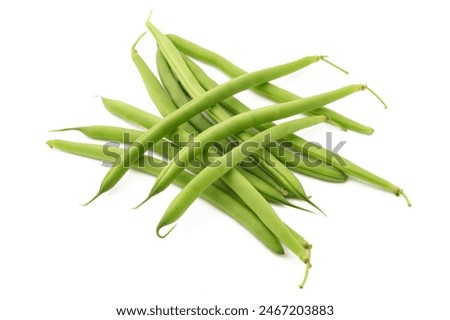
x: 201, y: 141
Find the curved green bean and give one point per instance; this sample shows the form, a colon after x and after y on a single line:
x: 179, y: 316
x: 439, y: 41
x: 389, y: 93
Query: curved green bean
x: 216, y: 197
x: 109, y: 133
x: 290, y: 158
x: 194, y: 107
x: 185, y: 198
x: 268, y: 90
x: 180, y: 98
x: 224, y: 164
x: 163, y: 102
x: 169, y: 151
x: 247, y: 120
x: 268, y: 192
x: 194, y: 89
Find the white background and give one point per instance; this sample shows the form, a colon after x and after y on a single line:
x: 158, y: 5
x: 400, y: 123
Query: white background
x: 373, y: 257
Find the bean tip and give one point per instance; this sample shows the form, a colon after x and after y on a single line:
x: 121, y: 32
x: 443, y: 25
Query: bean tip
x: 150, y: 195
x: 50, y: 143
x: 133, y: 47
x: 64, y: 129
x: 95, y: 197
x: 158, y: 229
x: 140, y: 204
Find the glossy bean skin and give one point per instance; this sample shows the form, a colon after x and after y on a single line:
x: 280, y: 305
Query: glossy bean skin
x: 292, y: 159
x: 267, y: 114
x: 226, y: 163
x: 147, y: 120
x: 268, y: 192
x: 254, y: 200
x: 191, y: 109
x: 113, y: 134
x: 268, y: 90
x: 267, y: 162
x: 351, y: 168
x: 208, y: 99
x: 162, y: 101
x: 164, y: 104
x: 175, y: 91
x: 194, y: 89
x: 247, y: 120
x: 180, y: 97
x: 212, y: 194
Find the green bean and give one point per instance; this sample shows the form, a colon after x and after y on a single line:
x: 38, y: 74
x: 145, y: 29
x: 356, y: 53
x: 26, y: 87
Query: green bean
x: 130, y: 113
x: 221, y: 200
x: 147, y: 120
x: 163, y: 102
x: 180, y: 98
x: 270, y: 163
x: 268, y: 90
x: 257, y: 203
x: 278, y: 170
x: 194, y: 89
x: 269, y: 193
x: 222, y: 166
x: 350, y: 168
x: 111, y: 133
x: 247, y: 120
x: 320, y: 170
x: 256, y: 170
x: 127, y: 136
x: 194, y: 107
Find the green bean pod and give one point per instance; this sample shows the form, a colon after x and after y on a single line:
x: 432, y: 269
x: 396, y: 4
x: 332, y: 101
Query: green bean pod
x: 215, y: 196
x: 268, y: 90
x: 179, y: 96
x: 162, y: 101
x: 349, y: 168
x: 147, y: 120
x: 268, y: 192
x: 267, y: 161
x: 194, y: 89
x: 166, y: 149
x: 189, y: 110
x: 247, y: 120
x: 255, y: 201
x: 290, y: 158
x: 226, y: 163
x: 169, y: 151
